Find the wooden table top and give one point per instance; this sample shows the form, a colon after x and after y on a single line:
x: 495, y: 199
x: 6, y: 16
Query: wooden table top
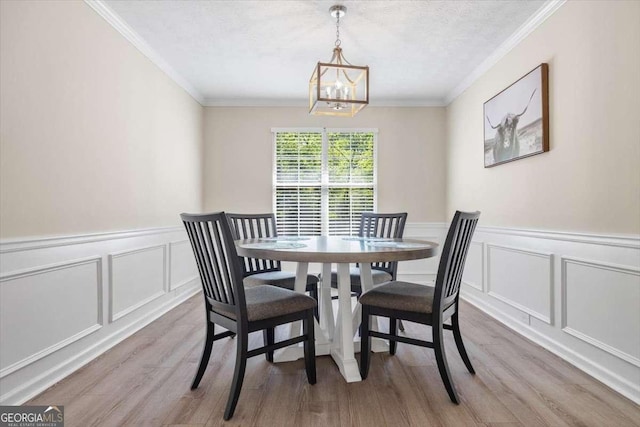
x: 336, y: 249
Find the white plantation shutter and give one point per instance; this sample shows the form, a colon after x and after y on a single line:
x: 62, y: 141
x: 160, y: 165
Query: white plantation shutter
x: 323, y: 180
x: 345, y: 206
x: 298, y: 210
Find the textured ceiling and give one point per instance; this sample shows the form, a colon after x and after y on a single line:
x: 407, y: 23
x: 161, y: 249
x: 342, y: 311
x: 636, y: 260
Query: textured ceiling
x: 260, y: 52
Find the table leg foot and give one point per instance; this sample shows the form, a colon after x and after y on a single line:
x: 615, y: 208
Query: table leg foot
x: 348, y: 367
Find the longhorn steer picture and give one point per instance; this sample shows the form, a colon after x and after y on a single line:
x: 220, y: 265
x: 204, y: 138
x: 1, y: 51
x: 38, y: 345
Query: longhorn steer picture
x: 505, y: 143
x: 523, y: 129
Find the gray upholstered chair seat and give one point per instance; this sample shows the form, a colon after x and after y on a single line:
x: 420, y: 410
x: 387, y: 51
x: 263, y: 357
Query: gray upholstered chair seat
x: 265, y: 302
x: 281, y: 279
x: 378, y: 277
x: 401, y: 296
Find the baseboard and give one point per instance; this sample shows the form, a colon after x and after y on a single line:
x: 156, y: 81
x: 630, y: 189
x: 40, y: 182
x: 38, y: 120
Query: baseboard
x: 602, y: 374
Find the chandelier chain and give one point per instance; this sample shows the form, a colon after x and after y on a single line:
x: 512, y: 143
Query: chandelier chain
x: 338, y: 41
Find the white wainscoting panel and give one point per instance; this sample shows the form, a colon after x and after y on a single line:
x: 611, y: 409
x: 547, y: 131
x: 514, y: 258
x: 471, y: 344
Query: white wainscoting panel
x: 60, y: 303
x: 182, y: 264
x: 136, y: 278
x: 589, y: 283
x: 473, y: 274
x: 56, y: 294
x: 610, y: 321
x: 521, y: 278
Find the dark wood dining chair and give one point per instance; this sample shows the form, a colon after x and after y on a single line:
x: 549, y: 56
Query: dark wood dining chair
x: 423, y: 304
x: 239, y: 310
x: 261, y: 271
x: 373, y: 224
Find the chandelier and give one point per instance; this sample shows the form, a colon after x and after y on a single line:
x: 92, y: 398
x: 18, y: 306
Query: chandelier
x: 338, y: 88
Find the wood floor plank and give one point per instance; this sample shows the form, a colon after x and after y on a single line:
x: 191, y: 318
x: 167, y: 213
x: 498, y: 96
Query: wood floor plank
x: 145, y: 380
x: 403, y: 401
x: 317, y: 414
x: 155, y: 407
x: 364, y: 406
x: 282, y: 399
x: 446, y: 412
x: 87, y: 379
x: 245, y: 413
x: 531, y: 408
x: 612, y: 400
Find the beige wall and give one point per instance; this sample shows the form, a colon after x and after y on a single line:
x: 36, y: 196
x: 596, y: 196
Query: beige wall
x: 94, y: 137
x: 411, y: 156
x: 590, y: 179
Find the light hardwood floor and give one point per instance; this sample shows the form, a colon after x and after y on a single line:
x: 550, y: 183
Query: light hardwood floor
x: 145, y: 381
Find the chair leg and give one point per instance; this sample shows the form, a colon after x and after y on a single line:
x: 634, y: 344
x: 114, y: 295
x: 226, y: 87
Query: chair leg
x: 365, y: 343
x: 313, y: 293
x: 242, y: 339
x: 358, y: 294
x: 206, y: 354
x: 441, y: 359
x: 393, y: 330
x: 268, y: 335
x: 308, y: 329
x: 458, y: 337
x: 400, y: 325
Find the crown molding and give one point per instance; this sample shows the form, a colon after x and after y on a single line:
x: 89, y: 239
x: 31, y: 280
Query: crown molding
x: 273, y: 102
x: 417, y: 102
x: 521, y: 33
x: 128, y: 33
x: 254, y: 102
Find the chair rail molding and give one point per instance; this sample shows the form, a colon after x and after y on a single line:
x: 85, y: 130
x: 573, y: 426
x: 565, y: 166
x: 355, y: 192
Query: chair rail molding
x: 106, y: 285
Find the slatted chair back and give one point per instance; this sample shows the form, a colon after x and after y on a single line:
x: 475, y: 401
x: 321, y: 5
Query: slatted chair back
x: 389, y: 225
x: 452, y: 260
x: 218, y: 262
x: 254, y: 226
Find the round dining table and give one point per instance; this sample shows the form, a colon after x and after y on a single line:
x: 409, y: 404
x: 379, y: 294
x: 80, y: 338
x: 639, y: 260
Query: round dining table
x: 335, y: 337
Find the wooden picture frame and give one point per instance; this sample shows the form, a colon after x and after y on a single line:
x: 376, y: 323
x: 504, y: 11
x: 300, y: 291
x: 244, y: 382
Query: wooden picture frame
x: 516, y: 120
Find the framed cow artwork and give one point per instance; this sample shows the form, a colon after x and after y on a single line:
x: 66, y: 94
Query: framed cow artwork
x: 516, y: 120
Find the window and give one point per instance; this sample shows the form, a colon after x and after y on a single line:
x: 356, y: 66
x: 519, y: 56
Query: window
x: 323, y: 179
